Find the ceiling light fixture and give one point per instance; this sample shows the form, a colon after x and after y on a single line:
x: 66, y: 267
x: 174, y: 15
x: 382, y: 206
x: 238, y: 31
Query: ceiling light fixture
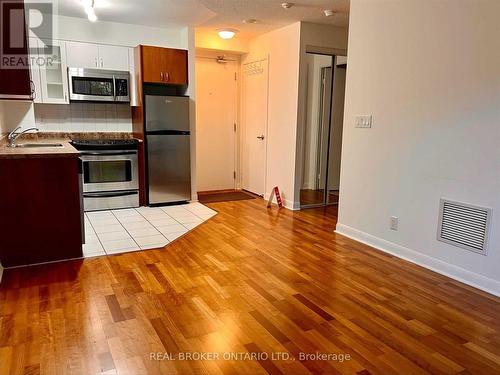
x: 227, y: 33
x: 250, y: 21
x: 329, y: 12
x: 88, y: 6
x: 286, y: 5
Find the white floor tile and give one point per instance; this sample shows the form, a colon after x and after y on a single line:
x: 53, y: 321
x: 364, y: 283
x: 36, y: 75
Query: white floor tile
x: 132, y: 219
x: 159, y: 222
x: 122, y: 235
x: 190, y: 226
x: 143, y: 232
x: 93, y: 249
x: 119, y: 231
x: 91, y: 238
x: 108, y: 228
x: 189, y: 219
x: 181, y: 215
x: 155, y: 215
x: 138, y: 225
x: 167, y: 229
x: 147, y: 210
x: 104, y: 220
x: 118, y: 246
x: 99, y: 214
x: 174, y: 209
x: 125, y: 212
x: 89, y: 229
x: 151, y: 240
x: 206, y: 216
x: 194, y: 205
x: 175, y: 235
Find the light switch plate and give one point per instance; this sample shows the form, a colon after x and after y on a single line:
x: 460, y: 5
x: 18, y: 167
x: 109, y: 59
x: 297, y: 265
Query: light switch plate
x: 363, y: 121
x: 394, y: 223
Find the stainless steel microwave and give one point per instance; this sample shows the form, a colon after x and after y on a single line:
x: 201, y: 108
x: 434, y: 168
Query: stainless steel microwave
x: 98, y: 85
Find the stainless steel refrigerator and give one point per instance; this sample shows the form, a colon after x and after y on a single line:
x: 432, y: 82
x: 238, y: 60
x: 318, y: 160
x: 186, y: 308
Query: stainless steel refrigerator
x: 168, y: 149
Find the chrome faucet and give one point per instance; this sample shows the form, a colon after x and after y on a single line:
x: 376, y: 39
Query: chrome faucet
x: 14, y: 134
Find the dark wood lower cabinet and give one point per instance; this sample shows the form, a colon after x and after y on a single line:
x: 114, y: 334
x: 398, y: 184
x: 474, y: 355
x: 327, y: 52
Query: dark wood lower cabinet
x: 40, y: 217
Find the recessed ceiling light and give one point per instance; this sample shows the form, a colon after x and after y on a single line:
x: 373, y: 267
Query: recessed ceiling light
x: 250, y: 20
x: 329, y: 12
x: 227, y: 33
x: 287, y: 5
x: 88, y: 6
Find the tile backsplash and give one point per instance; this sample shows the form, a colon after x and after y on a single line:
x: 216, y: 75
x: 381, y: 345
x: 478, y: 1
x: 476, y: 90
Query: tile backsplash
x: 83, y: 117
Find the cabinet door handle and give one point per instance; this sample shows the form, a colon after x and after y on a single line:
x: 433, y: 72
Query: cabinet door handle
x: 167, y: 77
x: 95, y: 60
x: 161, y: 76
x: 101, y: 63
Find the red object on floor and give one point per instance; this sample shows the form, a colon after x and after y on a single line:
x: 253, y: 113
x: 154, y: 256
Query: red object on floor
x: 276, y: 192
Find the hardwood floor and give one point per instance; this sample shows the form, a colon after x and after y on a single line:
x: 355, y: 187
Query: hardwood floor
x: 250, y: 280
x: 309, y: 196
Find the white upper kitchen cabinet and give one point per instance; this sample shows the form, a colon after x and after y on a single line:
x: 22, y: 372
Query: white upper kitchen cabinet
x: 113, y: 57
x: 101, y: 56
x: 82, y: 55
x: 35, y: 61
x: 53, y: 74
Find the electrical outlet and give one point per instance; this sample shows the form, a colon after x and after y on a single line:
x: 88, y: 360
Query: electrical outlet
x: 394, y: 222
x: 363, y: 121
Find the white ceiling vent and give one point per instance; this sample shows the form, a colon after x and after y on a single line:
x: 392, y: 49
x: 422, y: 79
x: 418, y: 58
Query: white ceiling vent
x: 464, y: 225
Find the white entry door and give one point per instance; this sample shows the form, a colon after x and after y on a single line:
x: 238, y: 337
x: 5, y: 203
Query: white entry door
x: 216, y: 113
x: 254, y: 135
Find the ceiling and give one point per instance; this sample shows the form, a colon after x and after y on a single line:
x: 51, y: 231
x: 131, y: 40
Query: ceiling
x: 212, y: 14
x: 270, y: 14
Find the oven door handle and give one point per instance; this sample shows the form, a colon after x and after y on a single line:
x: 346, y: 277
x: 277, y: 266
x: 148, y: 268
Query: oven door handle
x: 117, y: 153
x: 110, y: 194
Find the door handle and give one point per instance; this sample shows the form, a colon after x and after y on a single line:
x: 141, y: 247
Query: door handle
x: 161, y: 76
x: 261, y: 137
x: 167, y: 77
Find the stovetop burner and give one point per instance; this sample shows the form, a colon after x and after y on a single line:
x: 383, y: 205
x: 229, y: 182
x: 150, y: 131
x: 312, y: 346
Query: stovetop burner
x: 105, y: 144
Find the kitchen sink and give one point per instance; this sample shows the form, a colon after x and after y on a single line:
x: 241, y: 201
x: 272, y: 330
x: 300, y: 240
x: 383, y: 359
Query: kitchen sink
x: 37, y: 145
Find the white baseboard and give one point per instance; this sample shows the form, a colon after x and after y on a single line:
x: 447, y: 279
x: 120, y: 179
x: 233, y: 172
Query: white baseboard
x: 288, y: 204
x: 460, y: 274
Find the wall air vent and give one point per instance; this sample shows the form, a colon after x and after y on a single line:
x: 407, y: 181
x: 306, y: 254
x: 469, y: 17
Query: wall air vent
x: 464, y: 225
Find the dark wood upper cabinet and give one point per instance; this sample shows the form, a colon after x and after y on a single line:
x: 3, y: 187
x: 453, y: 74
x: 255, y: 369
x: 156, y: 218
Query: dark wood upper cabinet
x: 15, y: 80
x: 164, y: 65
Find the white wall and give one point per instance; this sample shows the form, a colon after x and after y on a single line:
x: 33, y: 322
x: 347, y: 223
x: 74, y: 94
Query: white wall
x: 282, y: 46
x: 431, y: 78
x: 80, y: 29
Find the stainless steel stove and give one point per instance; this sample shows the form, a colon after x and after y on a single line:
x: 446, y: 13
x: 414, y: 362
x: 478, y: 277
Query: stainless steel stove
x: 110, y: 173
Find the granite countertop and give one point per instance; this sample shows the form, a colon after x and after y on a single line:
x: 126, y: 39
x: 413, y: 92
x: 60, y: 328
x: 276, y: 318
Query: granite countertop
x: 37, y: 152
x: 50, y: 152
